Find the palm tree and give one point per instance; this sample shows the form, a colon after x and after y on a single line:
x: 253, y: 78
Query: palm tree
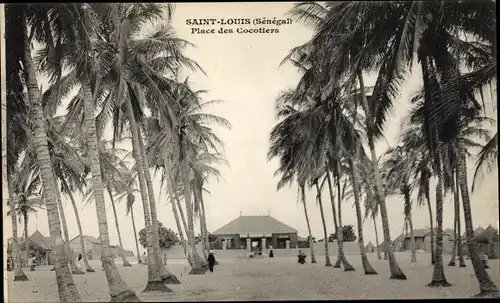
x: 311, y: 242
x: 16, y: 18
x: 346, y: 54
x: 87, y: 73
x: 193, y: 143
x: 413, y: 139
x: 397, y: 164
x: 325, y: 234
x: 25, y: 200
x: 112, y: 168
x: 19, y: 274
x: 291, y: 142
x: 128, y: 191
x: 459, y: 114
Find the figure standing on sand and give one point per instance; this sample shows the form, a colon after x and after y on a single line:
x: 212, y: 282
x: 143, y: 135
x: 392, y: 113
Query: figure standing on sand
x: 144, y: 258
x: 79, y: 262
x: 211, y: 261
x: 31, y: 263
x: 302, y: 257
x: 271, y: 253
x: 164, y: 259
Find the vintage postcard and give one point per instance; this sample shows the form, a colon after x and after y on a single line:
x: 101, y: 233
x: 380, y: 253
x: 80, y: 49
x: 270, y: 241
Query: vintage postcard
x: 249, y: 151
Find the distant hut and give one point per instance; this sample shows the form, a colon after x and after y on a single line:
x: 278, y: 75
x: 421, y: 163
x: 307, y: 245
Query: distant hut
x: 398, y: 243
x: 419, y: 235
x: 447, y: 241
x: 487, y: 242
x: 463, y: 239
x: 369, y: 248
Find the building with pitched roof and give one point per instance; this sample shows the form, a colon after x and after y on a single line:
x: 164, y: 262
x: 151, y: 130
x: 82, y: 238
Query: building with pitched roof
x: 38, y: 244
x: 92, y: 246
x: 256, y: 233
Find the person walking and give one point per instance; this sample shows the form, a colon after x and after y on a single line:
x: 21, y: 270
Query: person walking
x: 211, y: 261
x: 164, y: 259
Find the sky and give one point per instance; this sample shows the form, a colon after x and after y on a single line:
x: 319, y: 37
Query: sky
x: 244, y: 70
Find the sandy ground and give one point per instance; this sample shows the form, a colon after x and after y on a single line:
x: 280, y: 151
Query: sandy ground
x: 267, y: 279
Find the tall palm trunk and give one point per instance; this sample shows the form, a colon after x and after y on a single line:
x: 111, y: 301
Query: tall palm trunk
x: 118, y: 289
x: 311, y: 242
x: 461, y: 260
x: 69, y: 252
x: 200, y: 216
x: 203, y: 219
x: 155, y: 282
x: 184, y: 224
x: 135, y: 236
x: 486, y: 285
x: 194, y: 259
x: 79, y: 225
x: 407, y: 197
x: 438, y: 276
x: 181, y: 212
x: 332, y: 200
x: 197, y: 210
x: 364, y: 260
x: 165, y: 275
x: 396, y: 272
x: 431, y: 219
x: 343, y: 260
x: 203, y: 225
x: 456, y: 217
x: 19, y: 274
x: 412, y: 240
x: 66, y: 286
x: 325, y: 241
x: 120, y: 249
x: 376, y: 236
x: 340, y: 239
x: 26, y: 243
x: 205, y: 228
x: 176, y: 214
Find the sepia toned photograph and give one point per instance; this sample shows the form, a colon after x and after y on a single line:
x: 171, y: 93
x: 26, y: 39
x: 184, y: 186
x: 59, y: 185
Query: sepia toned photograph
x: 230, y: 151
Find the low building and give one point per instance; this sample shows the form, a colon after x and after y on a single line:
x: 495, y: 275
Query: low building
x: 419, y: 235
x: 115, y: 251
x: 38, y: 244
x: 256, y: 233
x: 302, y: 242
x: 447, y: 241
x: 398, y: 243
x: 92, y: 246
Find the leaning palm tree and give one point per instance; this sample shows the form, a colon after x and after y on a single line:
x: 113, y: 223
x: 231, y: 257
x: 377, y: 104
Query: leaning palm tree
x: 112, y: 168
x: 25, y: 201
x: 19, y: 274
x: 127, y: 191
x: 87, y: 73
x: 413, y: 139
x: 325, y: 234
x: 396, y: 165
x: 16, y: 18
